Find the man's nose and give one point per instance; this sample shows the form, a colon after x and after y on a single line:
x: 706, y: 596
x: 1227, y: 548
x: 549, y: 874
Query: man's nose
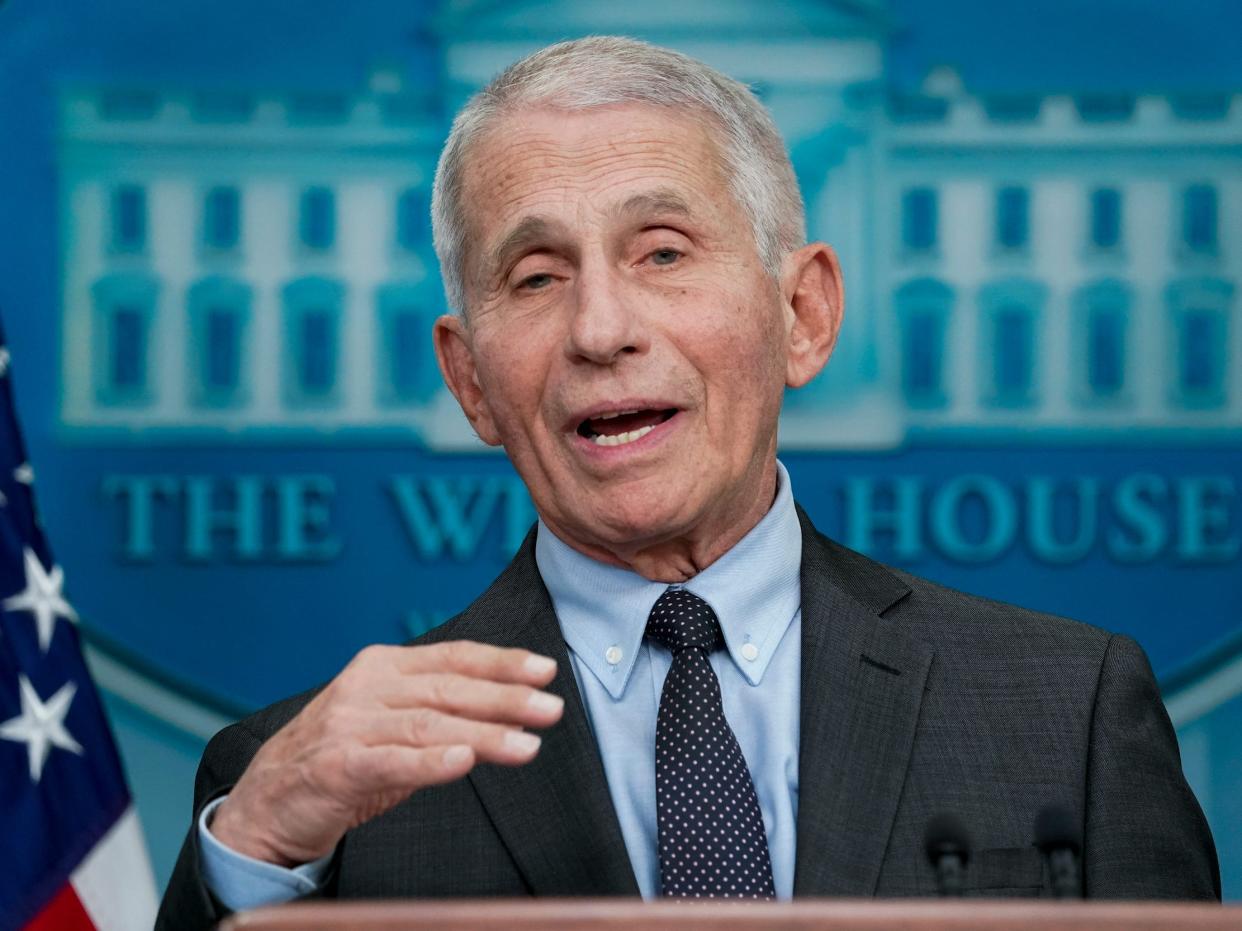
x: 606, y: 324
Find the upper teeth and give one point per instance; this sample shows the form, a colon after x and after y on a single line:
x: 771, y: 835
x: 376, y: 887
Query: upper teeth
x: 621, y: 438
x: 617, y: 414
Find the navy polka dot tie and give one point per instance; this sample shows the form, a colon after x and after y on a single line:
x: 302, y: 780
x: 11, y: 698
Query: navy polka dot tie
x: 712, y: 842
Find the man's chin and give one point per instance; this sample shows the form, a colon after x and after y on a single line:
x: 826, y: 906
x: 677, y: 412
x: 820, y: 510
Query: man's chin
x: 631, y: 527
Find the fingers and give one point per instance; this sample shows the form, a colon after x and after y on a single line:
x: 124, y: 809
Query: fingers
x: 395, y: 720
x: 428, y: 728
x: 402, y: 769
x: 478, y: 661
x: 478, y: 699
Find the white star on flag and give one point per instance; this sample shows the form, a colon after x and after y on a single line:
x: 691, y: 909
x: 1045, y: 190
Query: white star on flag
x: 41, y: 726
x: 42, y: 598
x: 24, y: 473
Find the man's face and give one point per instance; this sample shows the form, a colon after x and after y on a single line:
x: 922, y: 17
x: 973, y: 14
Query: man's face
x: 624, y: 341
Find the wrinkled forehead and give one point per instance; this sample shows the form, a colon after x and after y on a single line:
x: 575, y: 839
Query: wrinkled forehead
x: 537, y: 160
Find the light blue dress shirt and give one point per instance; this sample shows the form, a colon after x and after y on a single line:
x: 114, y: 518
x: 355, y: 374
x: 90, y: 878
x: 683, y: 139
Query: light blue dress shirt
x: 755, y: 590
x: 242, y: 882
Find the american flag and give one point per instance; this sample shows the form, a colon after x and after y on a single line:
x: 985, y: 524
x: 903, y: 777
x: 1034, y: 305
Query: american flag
x: 72, y: 855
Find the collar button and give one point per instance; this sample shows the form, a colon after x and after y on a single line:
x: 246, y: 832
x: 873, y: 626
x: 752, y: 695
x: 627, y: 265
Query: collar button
x: 750, y: 652
x: 613, y: 655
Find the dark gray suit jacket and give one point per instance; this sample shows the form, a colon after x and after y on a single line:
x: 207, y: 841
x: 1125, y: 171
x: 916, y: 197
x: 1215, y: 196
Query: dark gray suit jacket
x: 916, y: 700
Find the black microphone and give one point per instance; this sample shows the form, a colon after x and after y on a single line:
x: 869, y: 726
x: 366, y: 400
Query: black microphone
x: 1059, y: 836
x: 947, y: 843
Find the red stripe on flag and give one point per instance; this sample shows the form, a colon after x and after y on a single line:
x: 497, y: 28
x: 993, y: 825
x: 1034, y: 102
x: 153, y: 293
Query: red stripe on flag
x: 63, y: 913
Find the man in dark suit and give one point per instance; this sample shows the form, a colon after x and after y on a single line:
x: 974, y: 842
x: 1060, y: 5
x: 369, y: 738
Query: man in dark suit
x: 731, y: 705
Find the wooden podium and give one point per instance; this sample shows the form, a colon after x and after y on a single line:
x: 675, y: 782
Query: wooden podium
x: 804, y: 915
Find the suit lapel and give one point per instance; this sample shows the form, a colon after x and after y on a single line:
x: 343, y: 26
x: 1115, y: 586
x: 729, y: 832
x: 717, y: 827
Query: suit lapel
x: 555, y: 814
x: 862, y: 686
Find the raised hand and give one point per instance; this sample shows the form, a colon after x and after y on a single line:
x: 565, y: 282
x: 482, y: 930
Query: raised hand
x: 395, y: 720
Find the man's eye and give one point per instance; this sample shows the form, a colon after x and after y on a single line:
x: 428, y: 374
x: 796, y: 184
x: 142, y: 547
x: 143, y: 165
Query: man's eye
x: 535, y: 282
x: 665, y: 256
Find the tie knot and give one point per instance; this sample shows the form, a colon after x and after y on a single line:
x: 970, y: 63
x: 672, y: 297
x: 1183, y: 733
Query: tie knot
x: 682, y: 619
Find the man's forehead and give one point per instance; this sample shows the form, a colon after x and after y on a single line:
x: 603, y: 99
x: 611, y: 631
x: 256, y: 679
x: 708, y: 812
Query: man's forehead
x: 608, y: 123
x: 545, y: 151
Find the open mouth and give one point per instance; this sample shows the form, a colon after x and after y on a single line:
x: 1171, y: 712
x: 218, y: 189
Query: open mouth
x: 617, y: 428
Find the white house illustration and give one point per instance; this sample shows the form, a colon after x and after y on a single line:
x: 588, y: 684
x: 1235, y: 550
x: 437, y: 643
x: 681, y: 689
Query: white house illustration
x: 244, y: 262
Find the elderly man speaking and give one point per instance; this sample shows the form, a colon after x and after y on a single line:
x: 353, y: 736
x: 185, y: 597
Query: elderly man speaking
x: 678, y: 687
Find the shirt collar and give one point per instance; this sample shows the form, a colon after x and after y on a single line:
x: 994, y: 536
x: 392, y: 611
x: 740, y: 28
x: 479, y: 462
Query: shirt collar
x: 755, y: 589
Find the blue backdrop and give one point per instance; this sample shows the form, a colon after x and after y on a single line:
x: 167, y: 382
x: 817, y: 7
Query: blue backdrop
x: 216, y: 274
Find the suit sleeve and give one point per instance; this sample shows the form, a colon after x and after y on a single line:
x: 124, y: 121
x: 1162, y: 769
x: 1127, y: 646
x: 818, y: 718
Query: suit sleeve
x: 1145, y: 834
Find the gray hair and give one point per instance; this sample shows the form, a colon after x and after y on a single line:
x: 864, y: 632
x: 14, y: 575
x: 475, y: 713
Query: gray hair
x: 607, y: 70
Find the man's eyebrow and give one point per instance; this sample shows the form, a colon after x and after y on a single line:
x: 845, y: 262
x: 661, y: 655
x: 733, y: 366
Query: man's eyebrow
x: 537, y: 230
x: 659, y: 201
x: 528, y: 232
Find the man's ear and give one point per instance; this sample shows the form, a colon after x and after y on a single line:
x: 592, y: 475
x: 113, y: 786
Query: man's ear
x: 814, y: 298
x: 456, y: 357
